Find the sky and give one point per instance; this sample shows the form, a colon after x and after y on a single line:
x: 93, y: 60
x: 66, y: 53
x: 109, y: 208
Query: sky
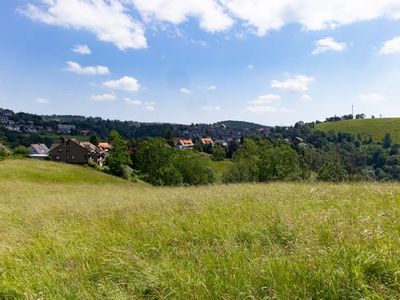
x: 273, y: 62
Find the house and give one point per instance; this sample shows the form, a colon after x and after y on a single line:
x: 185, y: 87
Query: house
x: 207, y: 141
x: 38, y: 149
x: 104, y: 146
x: 5, y: 149
x: 183, y: 144
x: 65, y: 129
x: 221, y: 142
x: 75, y: 152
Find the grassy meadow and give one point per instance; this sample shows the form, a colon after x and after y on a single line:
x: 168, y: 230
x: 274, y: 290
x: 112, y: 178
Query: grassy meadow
x: 375, y: 128
x: 69, y: 232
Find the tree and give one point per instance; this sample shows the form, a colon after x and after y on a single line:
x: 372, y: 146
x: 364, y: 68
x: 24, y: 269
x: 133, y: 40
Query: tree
x: 218, y: 153
x: 194, y: 168
x: 154, y: 159
x: 21, y: 151
x: 119, y: 157
x: 332, y: 171
x: 278, y: 163
x: 94, y: 140
x: 387, y: 141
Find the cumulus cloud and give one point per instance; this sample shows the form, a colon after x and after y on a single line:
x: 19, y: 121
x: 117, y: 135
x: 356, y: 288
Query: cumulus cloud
x: 113, y: 20
x: 391, y: 47
x: 294, y: 83
x: 90, y: 70
x: 125, y: 83
x: 145, y: 105
x: 328, y: 44
x: 210, y: 108
x: 42, y: 101
x: 185, y: 91
x: 104, y: 97
x: 265, y: 16
x: 372, y: 98
x: 210, y: 13
x: 269, y: 103
x: 108, y: 20
x: 82, y: 49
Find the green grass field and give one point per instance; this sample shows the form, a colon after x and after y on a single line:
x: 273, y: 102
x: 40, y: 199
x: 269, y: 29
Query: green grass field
x: 376, y: 128
x: 69, y: 232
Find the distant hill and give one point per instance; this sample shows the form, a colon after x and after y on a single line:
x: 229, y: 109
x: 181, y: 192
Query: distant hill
x: 240, y: 124
x: 375, y: 128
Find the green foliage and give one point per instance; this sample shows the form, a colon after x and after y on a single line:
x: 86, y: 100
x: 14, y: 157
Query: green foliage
x: 195, y: 168
x: 20, y: 151
x: 154, y: 161
x: 332, y: 171
x: 162, y: 165
x: 387, y: 140
x: 368, y: 128
x: 119, y: 157
x: 94, y: 140
x: 218, y: 153
x: 278, y: 163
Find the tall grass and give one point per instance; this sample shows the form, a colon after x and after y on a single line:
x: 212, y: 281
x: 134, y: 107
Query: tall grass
x: 374, y: 128
x: 78, y: 234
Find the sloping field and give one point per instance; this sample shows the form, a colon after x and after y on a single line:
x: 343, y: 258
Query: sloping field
x: 71, y: 233
x: 375, y: 128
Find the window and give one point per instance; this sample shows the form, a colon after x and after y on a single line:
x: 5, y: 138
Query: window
x: 57, y: 157
x: 59, y: 149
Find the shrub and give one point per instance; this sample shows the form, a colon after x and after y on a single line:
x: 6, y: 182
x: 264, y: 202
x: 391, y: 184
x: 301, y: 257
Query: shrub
x: 218, y: 153
x: 119, y: 157
x: 20, y: 151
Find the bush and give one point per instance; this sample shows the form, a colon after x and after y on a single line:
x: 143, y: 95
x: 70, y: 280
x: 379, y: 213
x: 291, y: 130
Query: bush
x: 218, y: 153
x: 119, y: 157
x: 332, y: 171
x: 194, y: 168
x: 21, y: 151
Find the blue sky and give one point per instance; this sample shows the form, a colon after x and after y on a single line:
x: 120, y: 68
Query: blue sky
x: 184, y: 61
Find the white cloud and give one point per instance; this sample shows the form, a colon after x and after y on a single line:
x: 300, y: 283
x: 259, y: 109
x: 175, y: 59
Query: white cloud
x: 42, y: 101
x: 185, y: 91
x: 212, y: 88
x: 265, y: 16
x: 210, y: 108
x: 250, y: 67
x: 149, y: 106
x: 90, y: 70
x: 328, y: 44
x: 145, y: 105
x: 125, y: 83
x: 266, y: 99
x: 294, y: 83
x: 269, y: 103
x: 391, y: 47
x: 133, y: 102
x: 82, y: 49
x: 104, y: 97
x: 108, y: 20
x: 372, y: 98
x: 210, y: 13
x: 114, y: 20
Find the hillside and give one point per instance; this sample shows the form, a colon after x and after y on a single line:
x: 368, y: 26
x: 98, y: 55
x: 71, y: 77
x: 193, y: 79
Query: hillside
x: 72, y: 233
x: 376, y: 128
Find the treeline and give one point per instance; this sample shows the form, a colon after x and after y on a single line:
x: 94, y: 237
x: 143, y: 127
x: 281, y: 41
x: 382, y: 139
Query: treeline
x: 324, y: 156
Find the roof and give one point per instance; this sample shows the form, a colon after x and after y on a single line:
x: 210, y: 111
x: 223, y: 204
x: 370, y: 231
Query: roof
x: 40, y: 148
x: 207, y: 140
x: 5, y: 149
x: 187, y: 143
x: 105, y: 146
